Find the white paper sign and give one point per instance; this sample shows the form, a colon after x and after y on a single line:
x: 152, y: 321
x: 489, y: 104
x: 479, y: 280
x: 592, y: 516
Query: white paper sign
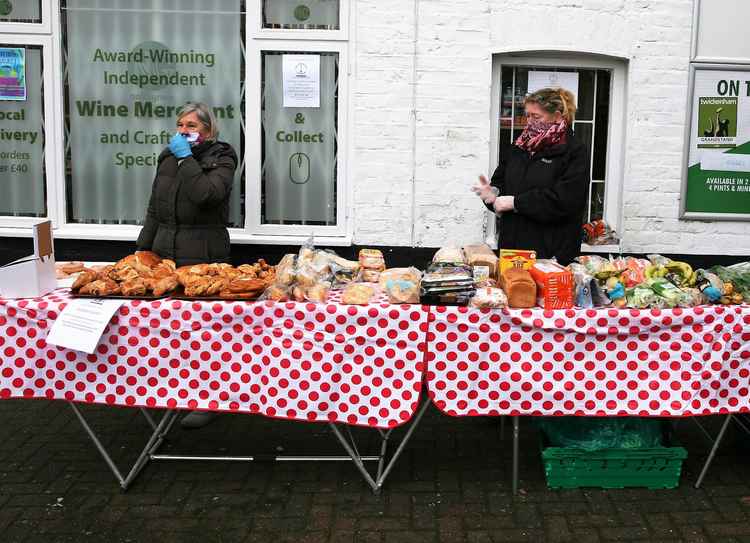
x: 541, y: 80
x: 725, y: 162
x: 301, y: 75
x: 81, y: 324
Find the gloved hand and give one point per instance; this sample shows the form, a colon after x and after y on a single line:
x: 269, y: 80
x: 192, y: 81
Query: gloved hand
x: 485, y: 191
x: 179, y: 146
x: 504, y: 203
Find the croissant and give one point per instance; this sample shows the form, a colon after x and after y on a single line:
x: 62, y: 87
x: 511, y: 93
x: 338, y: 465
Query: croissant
x: 198, y: 287
x: 217, y: 285
x: 245, y: 283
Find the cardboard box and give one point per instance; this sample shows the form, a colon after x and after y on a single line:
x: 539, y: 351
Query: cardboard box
x: 33, y: 275
x: 511, y: 258
x: 554, y: 285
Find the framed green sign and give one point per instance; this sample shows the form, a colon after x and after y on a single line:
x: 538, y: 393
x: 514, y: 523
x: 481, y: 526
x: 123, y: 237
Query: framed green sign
x: 716, y: 172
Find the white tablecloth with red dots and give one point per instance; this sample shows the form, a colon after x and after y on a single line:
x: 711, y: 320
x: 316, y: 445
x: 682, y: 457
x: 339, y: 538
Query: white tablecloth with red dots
x: 359, y: 365
x: 603, y: 362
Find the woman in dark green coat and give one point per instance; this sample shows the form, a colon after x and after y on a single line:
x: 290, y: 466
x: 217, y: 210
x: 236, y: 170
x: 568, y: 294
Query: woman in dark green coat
x: 188, y: 212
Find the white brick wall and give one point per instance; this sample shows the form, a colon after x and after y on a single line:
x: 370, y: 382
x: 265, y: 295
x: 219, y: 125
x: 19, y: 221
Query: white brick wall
x: 455, y: 41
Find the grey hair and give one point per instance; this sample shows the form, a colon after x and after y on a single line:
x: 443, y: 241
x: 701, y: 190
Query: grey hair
x: 205, y: 115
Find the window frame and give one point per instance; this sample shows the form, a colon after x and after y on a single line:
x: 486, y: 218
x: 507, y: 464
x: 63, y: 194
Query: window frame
x: 253, y: 142
x: 615, y: 164
x: 255, y: 41
x: 256, y: 30
x: 51, y: 142
x: 45, y: 27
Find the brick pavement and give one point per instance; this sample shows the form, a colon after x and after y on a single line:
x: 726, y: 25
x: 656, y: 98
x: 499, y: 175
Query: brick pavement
x: 452, y: 485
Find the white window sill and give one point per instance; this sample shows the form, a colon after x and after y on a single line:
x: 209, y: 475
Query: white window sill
x: 614, y: 249
x: 130, y: 233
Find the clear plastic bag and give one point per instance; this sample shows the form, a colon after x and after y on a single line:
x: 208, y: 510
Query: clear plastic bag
x: 401, y: 285
x: 597, y: 433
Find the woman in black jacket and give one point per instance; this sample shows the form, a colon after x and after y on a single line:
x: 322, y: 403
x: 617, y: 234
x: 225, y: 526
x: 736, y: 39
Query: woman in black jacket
x: 188, y: 212
x: 539, y: 191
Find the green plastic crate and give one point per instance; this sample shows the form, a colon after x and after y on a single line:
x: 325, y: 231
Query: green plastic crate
x: 658, y: 467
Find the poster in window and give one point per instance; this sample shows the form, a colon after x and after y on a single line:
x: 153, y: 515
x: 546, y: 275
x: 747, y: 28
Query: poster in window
x: 716, y: 183
x: 13, y: 73
x: 128, y: 76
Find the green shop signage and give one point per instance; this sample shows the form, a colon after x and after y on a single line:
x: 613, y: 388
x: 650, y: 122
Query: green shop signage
x: 716, y: 179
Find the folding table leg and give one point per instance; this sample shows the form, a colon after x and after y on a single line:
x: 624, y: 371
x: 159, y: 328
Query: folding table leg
x: 153, y: 443
x: 383, y: 469
x: 715, y: 447
x: 515, y: 453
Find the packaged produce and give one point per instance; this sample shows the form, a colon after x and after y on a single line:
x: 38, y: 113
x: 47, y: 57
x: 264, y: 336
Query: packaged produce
x: 401, y: 285
x: 634, y: 272
x: 554, y: 284
x: 641, y: 297
x: 371, y: 259
x: 450, y: 255
x: 738, y: 276
x: 680, y: 274
x: 615, y: 292
x: 710, y: 285
x: 480, y: 256
x: 489, y: 297
x: 358, y: 294
x: 519, y: 287
x: 599, y: 233
x: 673, y: 296
x: 512, y: 258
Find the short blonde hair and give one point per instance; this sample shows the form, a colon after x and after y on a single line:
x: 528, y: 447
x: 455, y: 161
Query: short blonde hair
x: 552, y: 99
x: 205, y: 115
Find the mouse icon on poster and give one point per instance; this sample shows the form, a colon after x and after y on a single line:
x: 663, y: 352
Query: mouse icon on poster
x: 299, y: 168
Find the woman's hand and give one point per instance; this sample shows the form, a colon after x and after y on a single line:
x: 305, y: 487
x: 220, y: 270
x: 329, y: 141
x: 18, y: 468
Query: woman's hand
x: 179, y: 146
x: 485, y: 191
x: 504, y: 203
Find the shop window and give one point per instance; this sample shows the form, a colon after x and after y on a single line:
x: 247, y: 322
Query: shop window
x: 21, y: 11
x: 299, y: 115
x: 591, y: 126
x: 304, y: 15
x: 129, y: 65
x: 22, y: 132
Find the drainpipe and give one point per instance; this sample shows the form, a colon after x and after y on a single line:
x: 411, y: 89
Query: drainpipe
x: 414, y: 124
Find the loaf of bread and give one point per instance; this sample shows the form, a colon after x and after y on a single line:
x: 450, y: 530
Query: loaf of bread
x: 520, y: 288
x: 481, y: 255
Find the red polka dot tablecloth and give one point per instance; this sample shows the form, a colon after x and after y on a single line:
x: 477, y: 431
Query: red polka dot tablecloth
x: 674, y: 362
x: 360, y: 365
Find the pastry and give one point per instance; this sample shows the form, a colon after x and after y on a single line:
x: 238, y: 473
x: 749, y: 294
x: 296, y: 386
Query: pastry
x: 164, y: 285
x: 370, y: 276
x: 134, y: 287
x: 357, y: 294
x: 245, y: 283
x: 148, y: 259
x: 217, y: 285
x: 71, y: 267
x: 229, y: 295
x: 100, y: 287
x: 83, y: 279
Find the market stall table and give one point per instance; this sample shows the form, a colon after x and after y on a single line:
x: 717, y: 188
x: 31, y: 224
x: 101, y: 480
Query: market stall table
x: 680, y: 362
x: 341, y: 365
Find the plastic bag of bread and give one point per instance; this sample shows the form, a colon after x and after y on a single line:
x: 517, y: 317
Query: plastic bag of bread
x: 481, y: 255
x: 451, y: 255
x: 489, y: 297
x: 317, y: 293
x: 371, y: 259
x: 285, y: 270
x: 358, y: 294
x: 401, y: 285
x: 519, y: 287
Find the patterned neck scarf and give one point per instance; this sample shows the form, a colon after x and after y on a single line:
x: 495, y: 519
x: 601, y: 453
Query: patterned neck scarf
x: 540, y: 134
